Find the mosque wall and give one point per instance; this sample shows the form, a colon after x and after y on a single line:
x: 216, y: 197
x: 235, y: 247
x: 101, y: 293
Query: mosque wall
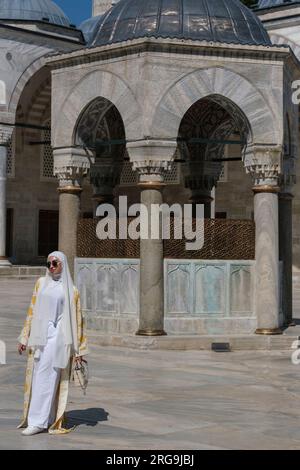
x: 15, y: 58
x: 28, y: 193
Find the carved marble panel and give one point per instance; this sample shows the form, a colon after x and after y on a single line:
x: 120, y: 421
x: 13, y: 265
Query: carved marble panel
x: 210, y: 289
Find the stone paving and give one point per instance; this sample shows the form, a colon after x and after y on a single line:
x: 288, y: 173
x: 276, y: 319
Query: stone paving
x: 158, y: 399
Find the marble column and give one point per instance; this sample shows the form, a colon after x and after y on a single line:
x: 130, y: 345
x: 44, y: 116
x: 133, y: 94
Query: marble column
x: 286, y: 253
x: 151, y: 158
x: 70, y: 165
x: 264, y: 164
x: 4, y: 262
x: 69, y: 211
x: 151, y: 322
x: 267, y: 259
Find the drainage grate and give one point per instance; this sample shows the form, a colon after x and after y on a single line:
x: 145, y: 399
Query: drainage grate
x: 220, y: 347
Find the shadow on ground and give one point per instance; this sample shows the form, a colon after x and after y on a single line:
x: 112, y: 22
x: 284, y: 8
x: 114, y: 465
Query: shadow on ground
x: 89, y: 417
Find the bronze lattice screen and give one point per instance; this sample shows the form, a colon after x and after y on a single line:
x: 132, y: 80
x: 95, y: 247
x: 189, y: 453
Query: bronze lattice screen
x: 224, y: 239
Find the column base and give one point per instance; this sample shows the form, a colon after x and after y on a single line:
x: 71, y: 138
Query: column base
x: 4, y: 262
x: 149, y: 332
x: 268, y: 331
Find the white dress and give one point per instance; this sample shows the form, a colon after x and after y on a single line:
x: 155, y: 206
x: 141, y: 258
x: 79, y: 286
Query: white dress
x: 46, y: 377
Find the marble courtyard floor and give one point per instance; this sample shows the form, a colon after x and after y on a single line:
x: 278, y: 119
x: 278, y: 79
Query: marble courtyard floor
x: 158, y: 399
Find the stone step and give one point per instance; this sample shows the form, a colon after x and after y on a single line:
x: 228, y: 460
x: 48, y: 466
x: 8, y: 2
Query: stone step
x: 195, y: 342
x: 22, y: 272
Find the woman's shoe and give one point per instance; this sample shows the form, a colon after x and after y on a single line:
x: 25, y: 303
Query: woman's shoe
x: 31, y: 430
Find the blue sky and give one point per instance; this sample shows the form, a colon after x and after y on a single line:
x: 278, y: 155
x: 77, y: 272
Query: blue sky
x: 76, y: 10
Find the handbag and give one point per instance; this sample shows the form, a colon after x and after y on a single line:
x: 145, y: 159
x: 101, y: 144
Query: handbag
x: 81, y: 374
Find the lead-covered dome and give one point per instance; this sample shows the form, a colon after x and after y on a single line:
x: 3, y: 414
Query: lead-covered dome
x: 33, y: 10
x: 226, y: 21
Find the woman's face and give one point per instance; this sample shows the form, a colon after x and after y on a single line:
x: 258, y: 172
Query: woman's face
x: 55, y: 266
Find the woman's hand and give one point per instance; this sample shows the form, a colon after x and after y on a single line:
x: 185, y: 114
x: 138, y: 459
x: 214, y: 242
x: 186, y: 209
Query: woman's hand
x: 21, y: 348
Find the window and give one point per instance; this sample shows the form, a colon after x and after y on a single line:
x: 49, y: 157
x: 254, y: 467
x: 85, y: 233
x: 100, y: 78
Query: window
x: 47, y: 154
x: 10, y: 165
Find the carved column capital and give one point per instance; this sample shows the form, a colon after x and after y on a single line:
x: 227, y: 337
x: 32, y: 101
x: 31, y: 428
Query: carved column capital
x: 70, y: 166
x: 264, y: 164
x: 151, y: 159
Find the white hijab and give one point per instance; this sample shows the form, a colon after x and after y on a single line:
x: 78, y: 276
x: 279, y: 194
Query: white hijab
x: 67, y: 343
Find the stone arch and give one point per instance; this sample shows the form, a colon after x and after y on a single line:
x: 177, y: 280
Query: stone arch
x: 40, y: 108
x: 205, y: 130
x: 92, y: 86
x: 265, y: 128
x: 23, y: 80
x: 100, y: 129
x: 99, y: 120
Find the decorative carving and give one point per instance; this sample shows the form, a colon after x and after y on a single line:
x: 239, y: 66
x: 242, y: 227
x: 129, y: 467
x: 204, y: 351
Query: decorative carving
x: 264, y: 164
x: 71, y: 165
x: 101, y: 129
x: 101, y: 122
x: 214, y: 120
x: 151, y: 170
x: 152, y: 159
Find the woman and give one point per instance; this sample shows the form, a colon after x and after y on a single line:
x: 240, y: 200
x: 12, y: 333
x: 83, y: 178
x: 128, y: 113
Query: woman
x: 54, y: 332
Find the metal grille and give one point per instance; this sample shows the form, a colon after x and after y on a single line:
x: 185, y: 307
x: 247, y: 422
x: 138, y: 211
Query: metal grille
x: 173, y: 176
x: 10, y: 163
x: 129, y: 177
x: 48, y: 163
x: 89, y: 246
x: 224, y: 239
x: 224, y: 175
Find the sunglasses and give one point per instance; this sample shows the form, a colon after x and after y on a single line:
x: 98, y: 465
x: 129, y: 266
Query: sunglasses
x: 52, y: 263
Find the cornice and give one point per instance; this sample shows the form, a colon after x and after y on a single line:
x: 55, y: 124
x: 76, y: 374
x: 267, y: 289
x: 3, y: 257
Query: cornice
x: 170, y: 46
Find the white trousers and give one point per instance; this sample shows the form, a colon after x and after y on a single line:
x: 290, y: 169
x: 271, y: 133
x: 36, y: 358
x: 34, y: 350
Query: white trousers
x: 45, y: 381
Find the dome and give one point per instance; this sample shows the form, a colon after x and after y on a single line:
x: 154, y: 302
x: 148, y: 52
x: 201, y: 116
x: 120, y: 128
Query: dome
x: 89, y: 27
x: 273, y: 3
x: 226, y: 21
x: 33, y: 10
